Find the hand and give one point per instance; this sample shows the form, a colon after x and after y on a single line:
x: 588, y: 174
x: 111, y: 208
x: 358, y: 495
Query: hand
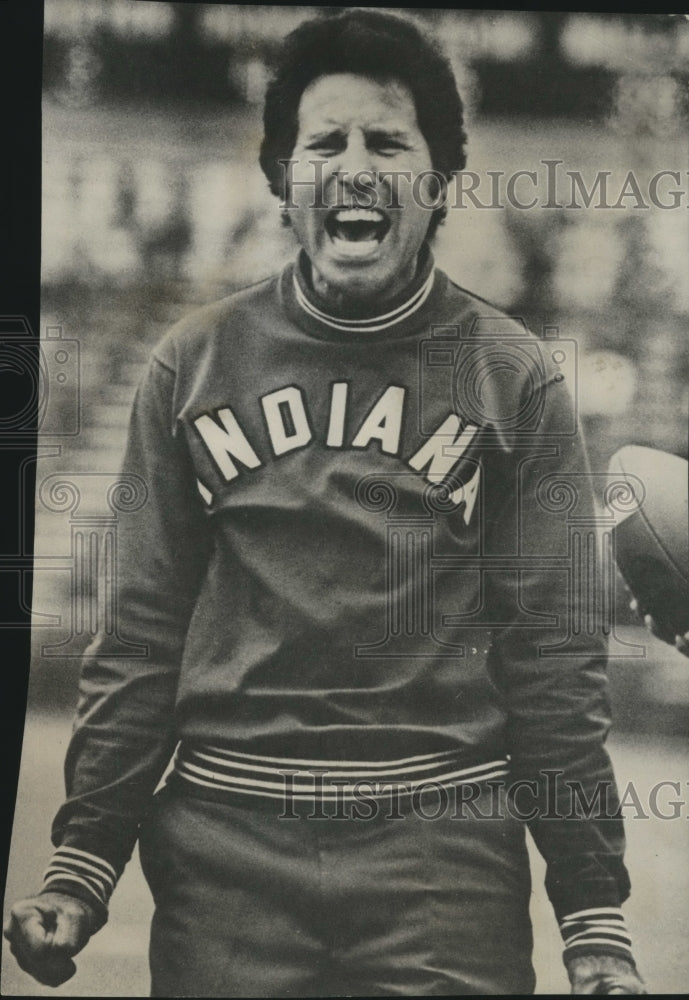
x: 660, y: 630
x: 603, y: 974
x: 46, y: 931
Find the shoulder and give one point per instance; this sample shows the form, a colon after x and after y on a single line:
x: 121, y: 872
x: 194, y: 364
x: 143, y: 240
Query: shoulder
x: 506, y: 376
x: 201, y: 329
x: 483, y: 318
x: 487, y: 328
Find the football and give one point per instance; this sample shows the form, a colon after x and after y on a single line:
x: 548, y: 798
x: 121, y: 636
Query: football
x: 648, y: 491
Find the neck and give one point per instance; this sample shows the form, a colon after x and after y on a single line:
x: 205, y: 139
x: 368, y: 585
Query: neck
x: 393, y: 317
x: 338, y: 298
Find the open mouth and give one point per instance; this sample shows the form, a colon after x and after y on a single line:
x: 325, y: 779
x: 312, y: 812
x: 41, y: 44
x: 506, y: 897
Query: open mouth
x: 357, y: 231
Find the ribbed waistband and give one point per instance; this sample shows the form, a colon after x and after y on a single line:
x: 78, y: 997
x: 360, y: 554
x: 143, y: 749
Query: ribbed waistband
x: 218, y: 770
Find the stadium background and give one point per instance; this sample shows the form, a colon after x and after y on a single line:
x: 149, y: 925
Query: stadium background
x: 153, y: 202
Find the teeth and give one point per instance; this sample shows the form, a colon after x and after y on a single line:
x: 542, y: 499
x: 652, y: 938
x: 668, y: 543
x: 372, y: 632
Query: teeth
x: 359, y: 215
x: 363, y: 248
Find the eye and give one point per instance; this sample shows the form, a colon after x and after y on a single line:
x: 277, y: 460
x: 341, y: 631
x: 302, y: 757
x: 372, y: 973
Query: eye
x: 327, y: 145
x: 389, y: 147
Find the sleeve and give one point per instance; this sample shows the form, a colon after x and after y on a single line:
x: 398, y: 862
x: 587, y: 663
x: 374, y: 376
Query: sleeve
x: 124, y: 732
x: 548, y: 659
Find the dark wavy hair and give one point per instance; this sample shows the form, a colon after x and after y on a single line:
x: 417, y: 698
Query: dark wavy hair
x: 377, y: 45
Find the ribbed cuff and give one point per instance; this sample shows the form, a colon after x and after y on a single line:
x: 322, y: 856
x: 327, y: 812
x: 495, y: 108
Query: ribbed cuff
x: 597, y: 930
x: 82, y: 875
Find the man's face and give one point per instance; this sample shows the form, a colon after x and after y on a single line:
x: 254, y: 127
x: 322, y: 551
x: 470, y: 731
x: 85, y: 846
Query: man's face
x: 359, y: 128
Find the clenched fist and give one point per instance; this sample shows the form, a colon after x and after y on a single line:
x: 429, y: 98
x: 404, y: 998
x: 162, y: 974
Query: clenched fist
x: 46, y: 931
x: 603, y: 974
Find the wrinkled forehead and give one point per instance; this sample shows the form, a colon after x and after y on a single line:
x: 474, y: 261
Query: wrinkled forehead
x: 340, y: 101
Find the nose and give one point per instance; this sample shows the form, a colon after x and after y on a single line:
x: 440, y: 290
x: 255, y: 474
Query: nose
x: 353, y: 159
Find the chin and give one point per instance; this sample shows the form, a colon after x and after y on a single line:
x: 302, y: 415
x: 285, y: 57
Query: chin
x: 381, y: 276
x: 360, y: 286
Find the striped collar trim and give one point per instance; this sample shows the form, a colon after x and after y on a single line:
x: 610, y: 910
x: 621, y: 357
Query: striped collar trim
x: 374, y: 324
x: 402, y: 316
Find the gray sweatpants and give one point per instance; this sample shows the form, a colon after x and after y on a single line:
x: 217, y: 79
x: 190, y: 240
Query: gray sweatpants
x: 251, y: 904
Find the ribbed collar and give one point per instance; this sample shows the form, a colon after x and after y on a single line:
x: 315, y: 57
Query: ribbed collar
x: 401, y: 316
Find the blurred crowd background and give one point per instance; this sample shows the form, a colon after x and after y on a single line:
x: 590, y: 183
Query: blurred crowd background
x: 153, y: 202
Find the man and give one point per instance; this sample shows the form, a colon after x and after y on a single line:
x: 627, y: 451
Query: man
x: 342, y: 580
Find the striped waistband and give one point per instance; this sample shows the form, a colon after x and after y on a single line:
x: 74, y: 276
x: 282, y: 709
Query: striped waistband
x: 217, y: 769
